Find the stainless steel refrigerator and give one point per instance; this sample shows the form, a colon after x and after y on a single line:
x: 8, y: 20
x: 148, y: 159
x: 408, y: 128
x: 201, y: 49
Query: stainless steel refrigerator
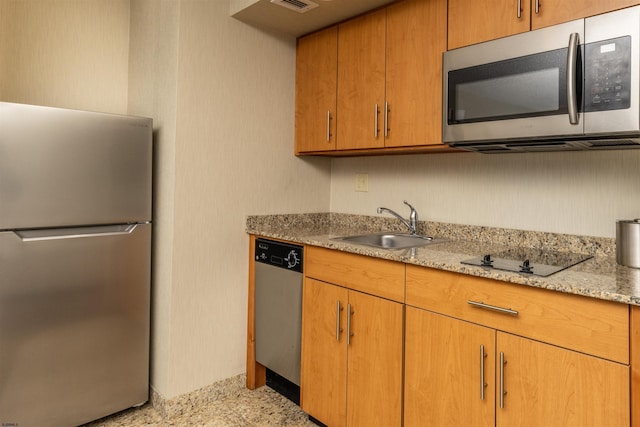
x: 75, y: 262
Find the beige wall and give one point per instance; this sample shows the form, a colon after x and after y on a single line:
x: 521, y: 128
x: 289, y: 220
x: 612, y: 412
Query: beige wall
x: 153, y: 70
x: 221, y: 94
x: 234, y: 133
x: 580, y: 193
x: 65, y: 53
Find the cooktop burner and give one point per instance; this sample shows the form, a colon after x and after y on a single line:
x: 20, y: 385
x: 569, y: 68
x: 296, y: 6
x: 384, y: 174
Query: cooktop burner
x: 537, y: 262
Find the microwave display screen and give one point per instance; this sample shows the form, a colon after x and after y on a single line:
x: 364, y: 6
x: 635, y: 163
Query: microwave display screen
x: 527, y: 86
x: 524, y: 93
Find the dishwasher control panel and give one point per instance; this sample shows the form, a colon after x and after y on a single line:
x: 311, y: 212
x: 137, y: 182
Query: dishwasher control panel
x: 278, y: 254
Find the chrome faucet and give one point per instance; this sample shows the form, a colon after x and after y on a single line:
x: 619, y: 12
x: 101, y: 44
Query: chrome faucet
x: 413, y: 217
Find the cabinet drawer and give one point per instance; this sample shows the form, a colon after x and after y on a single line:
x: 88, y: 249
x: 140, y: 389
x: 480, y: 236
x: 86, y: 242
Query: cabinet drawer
x: 374, y: 276
x: 588, y: 325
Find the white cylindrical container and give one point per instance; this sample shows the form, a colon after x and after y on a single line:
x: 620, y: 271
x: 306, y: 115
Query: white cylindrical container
x: 628, y: 243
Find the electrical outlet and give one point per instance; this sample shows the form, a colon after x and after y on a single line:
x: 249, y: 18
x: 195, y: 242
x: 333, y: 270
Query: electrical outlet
x: 362, y: 182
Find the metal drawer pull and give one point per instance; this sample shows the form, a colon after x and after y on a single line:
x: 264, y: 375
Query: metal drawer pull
x: 338, y: 330
x: 493, y: 307
x: 483, y: 355
x: 349, y: 334
x: 328, y: 126
x: 537, y: 7
x: 519, y: 6
x: 503, y: 392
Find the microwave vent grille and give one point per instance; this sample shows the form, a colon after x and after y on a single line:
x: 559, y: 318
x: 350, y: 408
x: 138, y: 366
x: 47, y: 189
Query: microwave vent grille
x: 603, y: 143
x: 613, y: 143
x: 488, y: 149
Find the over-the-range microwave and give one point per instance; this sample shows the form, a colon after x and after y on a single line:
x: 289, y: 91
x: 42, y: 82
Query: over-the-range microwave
x: 571, y: 86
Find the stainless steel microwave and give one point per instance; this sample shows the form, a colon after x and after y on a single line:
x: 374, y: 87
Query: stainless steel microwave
x: 571, y: 86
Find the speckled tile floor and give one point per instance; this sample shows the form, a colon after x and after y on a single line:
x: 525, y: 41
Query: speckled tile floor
x: 245, y: 408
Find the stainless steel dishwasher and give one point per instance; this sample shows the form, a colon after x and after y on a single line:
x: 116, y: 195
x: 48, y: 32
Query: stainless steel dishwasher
x: 278, y: 302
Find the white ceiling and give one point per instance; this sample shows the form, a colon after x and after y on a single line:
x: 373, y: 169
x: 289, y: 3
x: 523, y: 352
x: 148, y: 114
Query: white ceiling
x: 265, y: 14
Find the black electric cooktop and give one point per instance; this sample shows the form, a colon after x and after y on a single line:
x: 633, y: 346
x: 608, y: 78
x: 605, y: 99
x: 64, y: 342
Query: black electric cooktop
x: 536, y: 262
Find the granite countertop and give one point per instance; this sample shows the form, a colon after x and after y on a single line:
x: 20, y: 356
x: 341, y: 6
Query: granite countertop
x: 599, y: 277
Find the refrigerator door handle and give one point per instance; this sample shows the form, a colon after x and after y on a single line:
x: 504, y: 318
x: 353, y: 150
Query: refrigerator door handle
x: 75, y: 233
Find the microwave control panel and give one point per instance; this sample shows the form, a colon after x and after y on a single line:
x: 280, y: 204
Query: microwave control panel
x: 607, y: 75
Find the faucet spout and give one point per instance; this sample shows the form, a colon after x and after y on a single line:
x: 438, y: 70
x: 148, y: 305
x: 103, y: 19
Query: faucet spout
x: 411, y: 224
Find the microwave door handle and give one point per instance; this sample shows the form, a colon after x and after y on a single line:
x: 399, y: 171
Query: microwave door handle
x: 572, y: 98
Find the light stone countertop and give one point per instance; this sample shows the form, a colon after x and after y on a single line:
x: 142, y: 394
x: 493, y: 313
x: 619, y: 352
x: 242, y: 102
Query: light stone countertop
x: 599, y: 277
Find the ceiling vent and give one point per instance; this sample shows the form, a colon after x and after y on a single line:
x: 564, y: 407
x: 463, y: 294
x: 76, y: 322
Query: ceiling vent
x: 300, y: 6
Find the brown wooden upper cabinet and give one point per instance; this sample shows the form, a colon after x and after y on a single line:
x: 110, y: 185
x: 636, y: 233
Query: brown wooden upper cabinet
x: 383, y: 90
x: 316, y: 74
x: 474, y: 22
x: 361, y: 81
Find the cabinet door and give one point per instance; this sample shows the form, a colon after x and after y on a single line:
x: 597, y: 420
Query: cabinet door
x: 473, y: 22
x: 361, y: 75
x: 444, y: 369
x: 316, y: 76
x: 375, y: 362
x: 551, y: 12
x: 416, y: 37
x: 323, y: 382
x: 548, y: 385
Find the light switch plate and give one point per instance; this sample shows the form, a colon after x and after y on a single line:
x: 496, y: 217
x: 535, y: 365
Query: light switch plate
x: 362, y: 182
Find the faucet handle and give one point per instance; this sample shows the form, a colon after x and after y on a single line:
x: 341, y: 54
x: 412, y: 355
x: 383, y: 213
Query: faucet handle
x: 413, y: 218
x: 414, y: 213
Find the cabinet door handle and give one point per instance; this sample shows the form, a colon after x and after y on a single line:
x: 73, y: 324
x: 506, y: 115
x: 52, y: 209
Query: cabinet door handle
x: 480, y: 304
x: 338, y: 330
x: 349, y: 334
x: 483, y: 355
x: 328, y: 126
x: 519, y: 6
x: 375, y: 121
x: 503, y: 392
x: 537, y: 7
x: 386, y: 119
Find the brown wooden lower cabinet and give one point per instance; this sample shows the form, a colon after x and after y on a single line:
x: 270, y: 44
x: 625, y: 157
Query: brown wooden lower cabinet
x: 351, y: 357
x: 443, y: 371
x: 546, y: 385
x: 323, y: 377
x: 448, y: 358
x: 461, y: 373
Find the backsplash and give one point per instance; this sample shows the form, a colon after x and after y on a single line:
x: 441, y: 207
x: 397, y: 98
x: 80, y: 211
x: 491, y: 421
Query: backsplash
x: 579, y: 193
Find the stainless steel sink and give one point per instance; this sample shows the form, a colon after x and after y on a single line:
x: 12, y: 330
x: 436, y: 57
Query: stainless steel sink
x: 389, y: 240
